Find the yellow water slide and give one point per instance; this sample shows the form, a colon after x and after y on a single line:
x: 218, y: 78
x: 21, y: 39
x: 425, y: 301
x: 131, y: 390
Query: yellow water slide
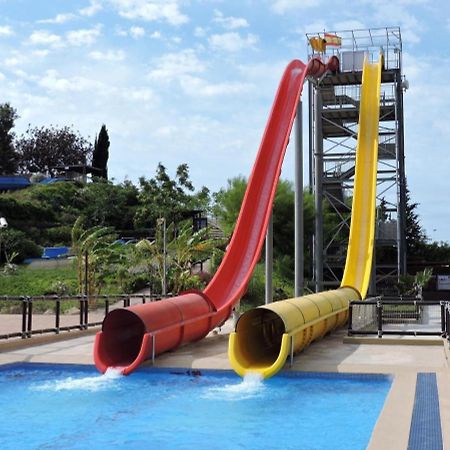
x: 267, y: 335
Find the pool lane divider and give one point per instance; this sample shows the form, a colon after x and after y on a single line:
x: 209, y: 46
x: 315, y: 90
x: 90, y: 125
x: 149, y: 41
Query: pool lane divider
x: 425, y: 431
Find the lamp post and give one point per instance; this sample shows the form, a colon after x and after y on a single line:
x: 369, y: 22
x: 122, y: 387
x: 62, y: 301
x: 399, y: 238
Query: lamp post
x: 3, y: 225
x: 162, y: 221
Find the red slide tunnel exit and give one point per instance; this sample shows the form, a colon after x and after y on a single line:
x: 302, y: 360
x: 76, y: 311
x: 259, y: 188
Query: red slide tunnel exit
x: 130, y: 336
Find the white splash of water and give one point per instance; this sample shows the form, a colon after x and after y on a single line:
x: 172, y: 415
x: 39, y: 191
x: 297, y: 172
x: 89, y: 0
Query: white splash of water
x: 251, y: 386
x: 92, y: 384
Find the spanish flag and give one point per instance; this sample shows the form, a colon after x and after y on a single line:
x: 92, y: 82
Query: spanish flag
x: 332, y: 40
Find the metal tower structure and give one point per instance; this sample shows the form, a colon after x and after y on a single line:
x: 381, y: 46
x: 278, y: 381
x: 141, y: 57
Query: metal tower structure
x: 333, y: 130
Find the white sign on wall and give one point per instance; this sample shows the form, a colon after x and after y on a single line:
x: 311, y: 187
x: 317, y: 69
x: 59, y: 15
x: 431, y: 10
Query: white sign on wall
x: 443, y: 282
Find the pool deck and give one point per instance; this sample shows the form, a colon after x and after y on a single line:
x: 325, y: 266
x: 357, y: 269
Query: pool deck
x: 334, y: 353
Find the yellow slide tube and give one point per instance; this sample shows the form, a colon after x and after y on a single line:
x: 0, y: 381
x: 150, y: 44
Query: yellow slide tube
x: 362, y: 227
x: 265, y: 336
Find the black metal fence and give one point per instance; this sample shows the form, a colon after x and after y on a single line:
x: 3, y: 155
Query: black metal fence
x: 19, y: 314
x: 399, y: 316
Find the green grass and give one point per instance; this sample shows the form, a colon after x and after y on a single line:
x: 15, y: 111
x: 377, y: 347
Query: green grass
x: 37, y: 281
x: 34, y: 281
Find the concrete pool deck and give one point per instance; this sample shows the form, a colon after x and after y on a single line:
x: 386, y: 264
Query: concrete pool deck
x: 334, y: 353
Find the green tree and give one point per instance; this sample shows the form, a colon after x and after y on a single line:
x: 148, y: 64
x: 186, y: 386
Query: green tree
x: 228, y: 203
x: 101, y: 152
x: 163, y: 196
x: 42, y: 149
x: 107, y: 204
x: 414, y: 233
x: 8, y: 156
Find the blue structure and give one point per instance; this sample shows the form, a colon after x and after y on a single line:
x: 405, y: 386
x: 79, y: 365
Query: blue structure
x: 13, y: 182
x: 55, y: 252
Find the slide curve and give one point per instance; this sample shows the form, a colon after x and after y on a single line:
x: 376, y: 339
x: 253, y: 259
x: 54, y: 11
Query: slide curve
x: 267, y: 335
x: 131, y: 335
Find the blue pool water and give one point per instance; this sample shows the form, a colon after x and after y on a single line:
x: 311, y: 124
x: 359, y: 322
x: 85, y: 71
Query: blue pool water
x: 61, y: 407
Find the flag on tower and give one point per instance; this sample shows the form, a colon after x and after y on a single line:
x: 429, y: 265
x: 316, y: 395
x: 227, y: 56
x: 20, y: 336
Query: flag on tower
x: 332, y: 40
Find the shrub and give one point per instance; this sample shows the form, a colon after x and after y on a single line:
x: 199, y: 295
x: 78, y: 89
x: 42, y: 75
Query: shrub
x: 17, y: 241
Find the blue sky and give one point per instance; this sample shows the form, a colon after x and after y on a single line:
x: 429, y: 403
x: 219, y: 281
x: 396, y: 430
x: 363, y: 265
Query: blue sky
x: 193, y: 80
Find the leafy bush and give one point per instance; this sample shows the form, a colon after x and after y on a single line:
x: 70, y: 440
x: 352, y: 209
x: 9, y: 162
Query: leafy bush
x: 15, y: 241
x: 56, y: 236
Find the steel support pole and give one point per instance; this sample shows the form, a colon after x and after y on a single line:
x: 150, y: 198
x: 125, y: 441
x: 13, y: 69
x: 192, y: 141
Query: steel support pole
x: 299, y: 226
x: 269, y: 261
x: 373, y: 273
x: 401, y: 211
x: 318, y: 191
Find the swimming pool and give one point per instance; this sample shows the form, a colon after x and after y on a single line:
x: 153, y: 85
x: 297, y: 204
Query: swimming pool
x: 72, y: 407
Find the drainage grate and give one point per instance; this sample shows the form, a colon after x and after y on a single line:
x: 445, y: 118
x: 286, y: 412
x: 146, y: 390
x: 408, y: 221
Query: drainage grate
x: 425, y: 432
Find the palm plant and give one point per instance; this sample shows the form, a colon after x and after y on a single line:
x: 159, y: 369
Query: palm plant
x: 96, y: 254
x: 183, y: 250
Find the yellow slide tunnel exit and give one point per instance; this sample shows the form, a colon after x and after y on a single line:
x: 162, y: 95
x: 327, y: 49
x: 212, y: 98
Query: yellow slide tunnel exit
x: 266, y: 336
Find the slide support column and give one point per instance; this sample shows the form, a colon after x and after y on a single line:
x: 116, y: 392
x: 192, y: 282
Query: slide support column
x: 299, y: 226
x: 318, y: 191
x: 269, y: 261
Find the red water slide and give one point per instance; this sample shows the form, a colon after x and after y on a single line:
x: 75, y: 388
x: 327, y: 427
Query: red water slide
x: 131, y: 335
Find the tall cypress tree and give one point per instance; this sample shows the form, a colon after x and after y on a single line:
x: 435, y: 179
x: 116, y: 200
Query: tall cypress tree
x: 101, y: 152
x: 8, y: 156
x: 415, y: 235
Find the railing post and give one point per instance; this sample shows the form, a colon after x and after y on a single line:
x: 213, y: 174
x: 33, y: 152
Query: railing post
x: 86, y: 313
x: 81, y: 311
x: 153, y: 348
x: 350, y: 319
x: 292, y: 352
x: 24, y: 317
x: 380, y: 318
x: 106, y: 306
x: 443, y: 327
x: 30, y: 316
x: 447, y: 320
x: 57, y: 314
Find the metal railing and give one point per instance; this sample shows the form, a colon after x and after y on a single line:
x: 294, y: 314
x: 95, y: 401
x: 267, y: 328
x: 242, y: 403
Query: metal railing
x: 401, y: 316
x: 89, y: 312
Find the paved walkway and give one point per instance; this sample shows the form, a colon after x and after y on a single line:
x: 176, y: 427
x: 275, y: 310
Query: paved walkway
x: 327, y: 355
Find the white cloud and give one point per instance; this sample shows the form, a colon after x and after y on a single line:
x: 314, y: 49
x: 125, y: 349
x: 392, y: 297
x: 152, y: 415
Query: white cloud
x: 2, y: 77
x: 83, y: 36
x: 53, y: 82
x: 59, y: 19
x: 89, y: 11
x: 156, y: 35
x: 44, y: 37
x: 229, y: 23
x: 232, y: 42
x: 40, y: 53
x: 137, y: 32
x: 199, y: 32
x: 283, y: 6
x: 6, y: 30
x: 348, y: 25
x: 109, y: 55
x: 173, y: 65
x: 13, y: 61
x: 143, y: 94
x: 400, y: 13
x: 195, y: 86
x: 151, y: 10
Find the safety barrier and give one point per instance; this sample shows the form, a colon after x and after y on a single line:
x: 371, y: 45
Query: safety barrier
x: 90, y: 311
x: 399, y: 316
